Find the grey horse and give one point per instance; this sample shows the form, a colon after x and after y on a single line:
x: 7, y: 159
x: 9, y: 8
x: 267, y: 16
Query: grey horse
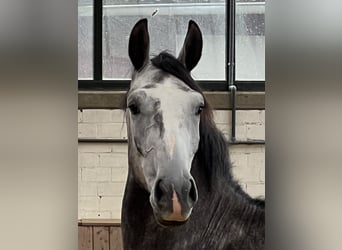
x: 180, y: 192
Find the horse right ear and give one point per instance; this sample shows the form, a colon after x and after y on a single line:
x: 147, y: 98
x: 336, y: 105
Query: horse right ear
x: 139, y: 44
x: 191, y: 51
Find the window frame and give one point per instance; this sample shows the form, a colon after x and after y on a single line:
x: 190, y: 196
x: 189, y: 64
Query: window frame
x: 98, y: 83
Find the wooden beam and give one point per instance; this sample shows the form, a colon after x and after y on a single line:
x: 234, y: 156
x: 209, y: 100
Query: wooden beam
x: 218, y: 100
x: 99, y: 222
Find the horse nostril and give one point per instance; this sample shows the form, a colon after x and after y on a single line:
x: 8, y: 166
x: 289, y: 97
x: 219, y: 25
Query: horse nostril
x: 193, y: 191
x: 158, y: 193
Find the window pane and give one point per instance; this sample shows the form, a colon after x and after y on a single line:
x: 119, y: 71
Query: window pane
x: 250, y: 40
x: 167, y: 30
x: 85, y: 39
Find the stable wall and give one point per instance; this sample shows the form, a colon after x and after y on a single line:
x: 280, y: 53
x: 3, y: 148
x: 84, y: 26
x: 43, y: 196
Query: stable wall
x: 102, y: 167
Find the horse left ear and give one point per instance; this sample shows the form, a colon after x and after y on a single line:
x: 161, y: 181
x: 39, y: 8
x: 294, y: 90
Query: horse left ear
x: 139, y: 44
x: 191, y: 52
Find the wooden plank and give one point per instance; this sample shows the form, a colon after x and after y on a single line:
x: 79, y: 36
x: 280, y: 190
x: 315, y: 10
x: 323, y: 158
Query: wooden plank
x: 99, y: 222
x: 85, y: 238
x: 101, y: 238
x: 115, y: 238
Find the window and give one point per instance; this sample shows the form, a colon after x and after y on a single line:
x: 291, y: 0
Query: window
x: 104, y: 30
x: 250, y: 40
x: 167, y: 30
x: 85, y: 39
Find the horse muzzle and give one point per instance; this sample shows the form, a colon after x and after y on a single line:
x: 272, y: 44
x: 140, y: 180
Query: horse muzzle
x: 172, y: 201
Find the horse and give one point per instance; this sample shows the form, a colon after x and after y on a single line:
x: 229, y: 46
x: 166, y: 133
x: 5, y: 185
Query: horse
x: 180, y: 192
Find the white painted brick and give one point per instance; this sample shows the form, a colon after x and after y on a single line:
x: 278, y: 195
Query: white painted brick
x: 247, y: 149
x: 119, y: 174
x: 104, y: 174
x: 79, y: 114
x: 79, y: 158
x: 118, y: 116
x: 247, y: 173
x: 114, y: 160
x: 96, y: 174
x: 86, y: 130
x: 87, y: 188
x: 79, y: 174
x: 255, y: 149
x: 116, y: 214
x: 112, y: 204
x: 98, y: 214
x: 89, y: 174
x: 248, y: 117
x: 81, y: 213
x: 262, y: 174
x: 222, y: 116
x: 238, y: 159
x: 94, y: 147
x: 111, y: 188
x: 256, y: 190
x: 88, y: 203
x: 242, y: 117
x: 97, y: 116
x: 120, y: 148
x: 240, y: 132
x: 262, y: 116
x: 108, y: 160
x: 89, y: 160
x: 255, y: 132
x: 256, y: 160
x: 111, y: 130
x: 236, y: 149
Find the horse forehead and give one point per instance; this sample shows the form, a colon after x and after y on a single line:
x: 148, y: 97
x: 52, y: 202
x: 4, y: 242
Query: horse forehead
x: 171, y: 93
x: 168, y: 89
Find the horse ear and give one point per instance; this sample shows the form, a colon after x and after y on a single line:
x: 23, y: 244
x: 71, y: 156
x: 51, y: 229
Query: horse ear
x: 191, y: 52
x: 139, y: 44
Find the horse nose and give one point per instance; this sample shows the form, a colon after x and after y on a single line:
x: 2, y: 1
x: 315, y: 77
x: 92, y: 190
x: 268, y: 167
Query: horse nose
x: 180, y: 194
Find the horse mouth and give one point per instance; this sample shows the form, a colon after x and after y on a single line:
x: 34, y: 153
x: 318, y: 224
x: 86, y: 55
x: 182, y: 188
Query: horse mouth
x: 169, y: 223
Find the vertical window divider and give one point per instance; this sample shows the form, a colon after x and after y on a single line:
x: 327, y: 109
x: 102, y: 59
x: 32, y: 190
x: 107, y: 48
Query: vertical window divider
x: 97, y: 57
x: 230, y: 66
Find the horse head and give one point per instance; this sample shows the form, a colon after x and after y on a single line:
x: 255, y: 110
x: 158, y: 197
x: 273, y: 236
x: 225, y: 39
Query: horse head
x: 163, y: 119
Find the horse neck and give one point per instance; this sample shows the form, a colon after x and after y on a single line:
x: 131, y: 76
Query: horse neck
x: 212, y: 171
x: 227, y: 204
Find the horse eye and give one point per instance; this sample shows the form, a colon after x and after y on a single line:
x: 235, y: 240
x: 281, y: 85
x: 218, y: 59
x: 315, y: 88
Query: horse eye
x: 200, y: 109
x: 134, y: 109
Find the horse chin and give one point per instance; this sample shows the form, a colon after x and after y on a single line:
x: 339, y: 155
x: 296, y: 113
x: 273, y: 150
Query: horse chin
x: 169, y: 223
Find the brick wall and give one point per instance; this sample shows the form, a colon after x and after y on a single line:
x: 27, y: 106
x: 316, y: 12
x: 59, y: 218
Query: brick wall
x: 103, y: 166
